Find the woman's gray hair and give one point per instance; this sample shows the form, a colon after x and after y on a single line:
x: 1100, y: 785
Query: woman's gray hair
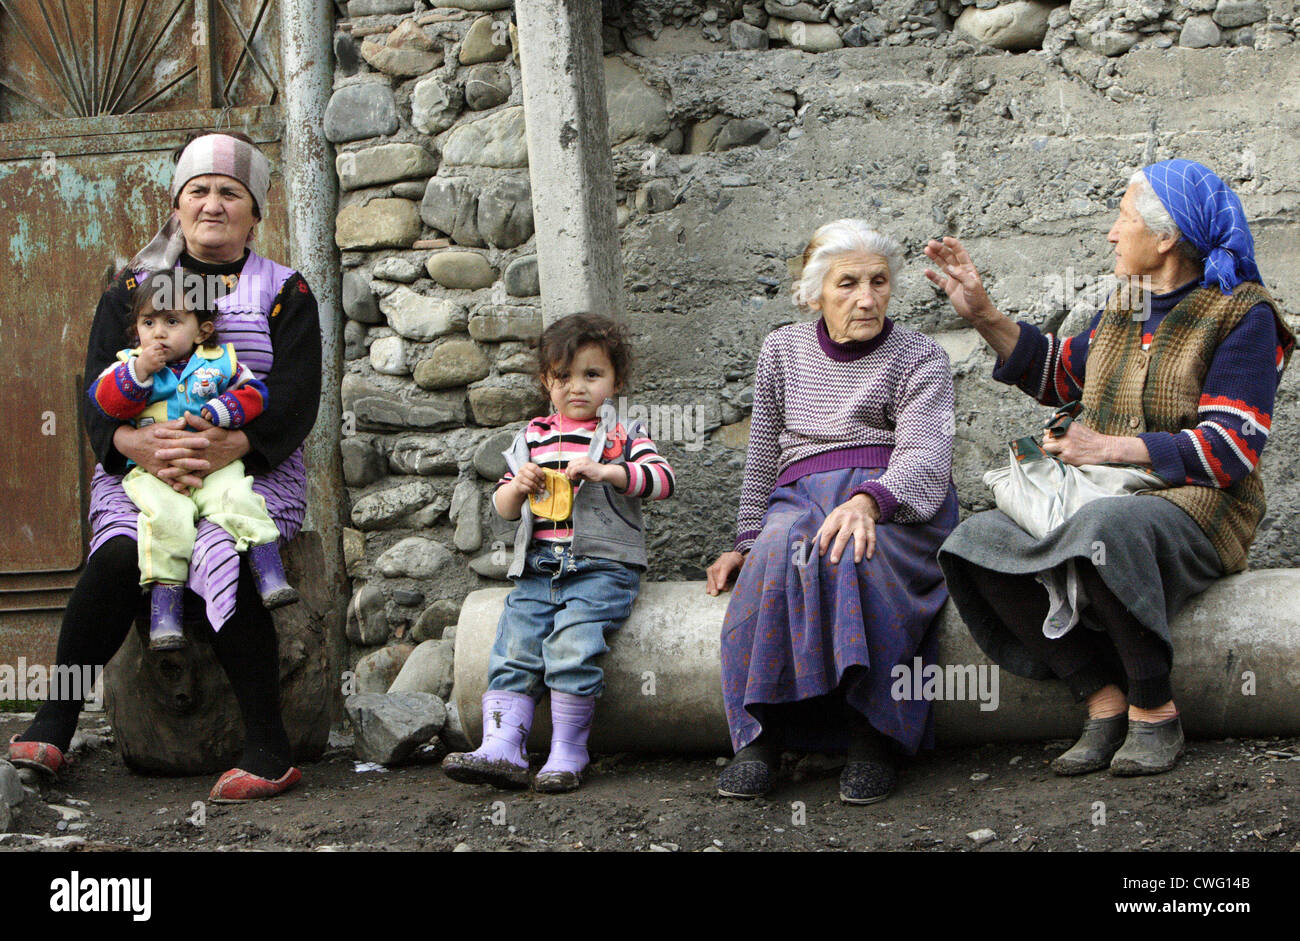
x: 1157, y: 217
x: 835, y: 239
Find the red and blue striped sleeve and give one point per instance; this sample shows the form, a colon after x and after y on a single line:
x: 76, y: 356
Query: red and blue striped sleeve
x: 243, y: 400
x: 118, y: 392
x: 1235, y: 412
x: 1046, y: 367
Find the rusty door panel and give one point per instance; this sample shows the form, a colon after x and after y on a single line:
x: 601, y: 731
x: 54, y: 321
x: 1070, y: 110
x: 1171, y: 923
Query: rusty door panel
x: 73, y: 209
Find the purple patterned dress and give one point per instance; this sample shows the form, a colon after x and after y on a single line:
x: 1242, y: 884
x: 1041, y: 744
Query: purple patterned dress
x: 214, y: 570
x: 831, y: 420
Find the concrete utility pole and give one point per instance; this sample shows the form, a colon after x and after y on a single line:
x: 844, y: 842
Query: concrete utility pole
x: 579, y: 260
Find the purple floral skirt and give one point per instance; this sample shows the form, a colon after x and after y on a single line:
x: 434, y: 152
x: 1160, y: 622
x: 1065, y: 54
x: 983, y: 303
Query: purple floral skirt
x: 797, y: 625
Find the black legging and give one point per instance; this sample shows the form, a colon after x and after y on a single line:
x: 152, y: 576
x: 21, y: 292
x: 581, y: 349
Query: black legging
x: 100, y: 612
x: 1127, y: 655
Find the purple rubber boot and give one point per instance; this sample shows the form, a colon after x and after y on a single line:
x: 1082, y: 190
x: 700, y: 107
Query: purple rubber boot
x: 502, y: 759
x: 166, y: 608
x: 571, y: 724
x: 268, y: 576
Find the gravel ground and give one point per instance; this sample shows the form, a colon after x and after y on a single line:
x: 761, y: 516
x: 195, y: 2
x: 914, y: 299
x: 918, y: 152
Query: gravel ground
x: 1225, y: 795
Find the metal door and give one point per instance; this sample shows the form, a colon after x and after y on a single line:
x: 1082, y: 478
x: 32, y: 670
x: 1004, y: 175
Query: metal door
x: 94, y: 96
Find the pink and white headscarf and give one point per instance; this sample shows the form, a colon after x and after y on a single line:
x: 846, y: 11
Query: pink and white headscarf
x: 212, y: 153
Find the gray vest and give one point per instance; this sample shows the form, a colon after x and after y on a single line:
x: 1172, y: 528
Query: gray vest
x: 606, y: 523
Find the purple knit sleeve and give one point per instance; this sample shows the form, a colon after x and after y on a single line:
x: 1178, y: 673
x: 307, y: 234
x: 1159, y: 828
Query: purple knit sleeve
x: 920, y: 469
x: 765, y: 423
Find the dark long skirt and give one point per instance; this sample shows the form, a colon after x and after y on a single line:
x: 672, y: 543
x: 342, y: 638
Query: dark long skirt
x: 797, y: 625
x: 1150, y: 553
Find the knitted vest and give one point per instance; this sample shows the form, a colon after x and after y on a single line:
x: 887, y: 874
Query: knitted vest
x: 1128, y: 391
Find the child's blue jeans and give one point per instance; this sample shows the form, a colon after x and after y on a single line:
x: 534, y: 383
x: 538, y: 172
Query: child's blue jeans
x: 554, y: 623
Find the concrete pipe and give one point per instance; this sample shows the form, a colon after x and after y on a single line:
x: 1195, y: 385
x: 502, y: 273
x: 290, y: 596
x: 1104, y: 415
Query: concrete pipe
x: 1236, y: 673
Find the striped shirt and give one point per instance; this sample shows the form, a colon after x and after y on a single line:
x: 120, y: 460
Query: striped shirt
x: 1235, y: 412
x: 553, y: 441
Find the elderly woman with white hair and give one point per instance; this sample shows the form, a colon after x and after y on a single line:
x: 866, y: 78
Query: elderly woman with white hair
x: 1176, y: 375
x: 847, y: 495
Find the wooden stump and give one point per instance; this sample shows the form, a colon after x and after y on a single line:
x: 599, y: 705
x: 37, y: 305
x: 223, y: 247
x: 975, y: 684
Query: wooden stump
x: 173, y: 712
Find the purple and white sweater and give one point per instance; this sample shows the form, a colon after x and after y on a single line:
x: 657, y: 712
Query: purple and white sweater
x: 821, y: 405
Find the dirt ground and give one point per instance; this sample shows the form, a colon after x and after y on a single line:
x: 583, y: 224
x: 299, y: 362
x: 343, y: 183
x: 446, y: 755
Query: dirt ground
x: 1225, y: 795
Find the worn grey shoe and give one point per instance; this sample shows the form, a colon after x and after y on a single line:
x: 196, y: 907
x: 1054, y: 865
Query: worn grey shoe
x: 1150, y: 748
x: 1093, y: 751
x: 871, y: 771
x: 750, y: 773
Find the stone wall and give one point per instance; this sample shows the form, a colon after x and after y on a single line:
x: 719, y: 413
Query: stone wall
x: 729, y: 149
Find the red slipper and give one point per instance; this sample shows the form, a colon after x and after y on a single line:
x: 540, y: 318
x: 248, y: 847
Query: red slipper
x: 237, y: 787
x: 40, y: 756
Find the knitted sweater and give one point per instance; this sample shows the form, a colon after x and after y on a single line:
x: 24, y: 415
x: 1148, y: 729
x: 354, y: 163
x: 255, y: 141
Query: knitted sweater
x: 821, y: 405
x: 553, y: 441
x: 1234, y: 413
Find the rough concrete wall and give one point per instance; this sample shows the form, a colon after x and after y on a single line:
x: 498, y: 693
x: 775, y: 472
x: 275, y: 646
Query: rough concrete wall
x: 1022, y: 160
x: 725, y: 162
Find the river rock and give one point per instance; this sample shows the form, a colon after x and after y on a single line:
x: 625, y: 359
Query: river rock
x: 489, y: 461
x: 744, y: 36
x: 738, y: 132
x: 374, y: 7
x: 521, y: 279
x: 793, y: 10
x: 375, y: 672
x: 486, y: 86
x: 354, y: 550
x: 388, y: 356
x: 367, y: 624
x: 494, y: 563
x: 808, y: 37
x: 422, y: 318
x: 375, y: 407
x: 396, y: 268
x: 402, y: 61
x: 505, y: 213
x: 11, y: 786
x: 427, y: 670
x: 384, y: 507
x: 451, y: 205
x: 464, y: 270
x: 422, y: 454
x: 493, y: 324
x: 435, y: 105
x: 383, y: 164
x: 380, y: 223
x: 358, y: 299
x: 355, y: 112
x: 363, y: 463
x: 1016, y: 26
x: 453, y: 363
x: 435, y: 619
x: 389, y: 727
x: 494, y: 141
x: 413, y: 557
x: 487, y: 40
x: 466, y: 501
x: 635, y: 108
x: 1233, y: 13
x: 501, y: 404
x: 1199, y: 32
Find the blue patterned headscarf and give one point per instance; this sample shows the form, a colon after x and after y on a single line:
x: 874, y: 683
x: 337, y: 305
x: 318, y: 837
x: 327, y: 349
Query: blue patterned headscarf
x: 1210, y: 216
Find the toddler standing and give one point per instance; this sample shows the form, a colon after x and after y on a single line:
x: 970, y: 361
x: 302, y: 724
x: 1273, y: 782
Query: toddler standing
x: 575, y: 482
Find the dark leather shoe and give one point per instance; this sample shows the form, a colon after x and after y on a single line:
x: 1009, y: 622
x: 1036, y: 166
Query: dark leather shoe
x: 750, y: 773
x: 1093, y: 751
x: 1150, y: 748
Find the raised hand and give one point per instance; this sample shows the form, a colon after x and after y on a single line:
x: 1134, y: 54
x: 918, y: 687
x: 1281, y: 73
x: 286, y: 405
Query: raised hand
x: 960, y: 280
